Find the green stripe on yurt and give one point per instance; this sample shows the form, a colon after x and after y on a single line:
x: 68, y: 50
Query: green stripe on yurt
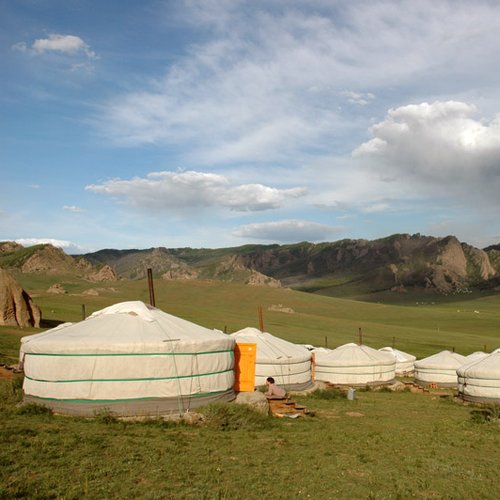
x: 318, y: 370
x: 127, y: 379
x: 128, y: 354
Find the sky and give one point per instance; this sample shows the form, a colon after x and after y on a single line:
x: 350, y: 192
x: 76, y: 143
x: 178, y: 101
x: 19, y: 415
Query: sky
x: 217, y: 123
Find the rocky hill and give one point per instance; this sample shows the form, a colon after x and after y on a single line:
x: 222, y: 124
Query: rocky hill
x: 398, y: 263
x: 43, y: 258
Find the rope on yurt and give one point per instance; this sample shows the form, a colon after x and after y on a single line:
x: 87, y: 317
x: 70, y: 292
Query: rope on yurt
x: 180, y: 402
x: 282, y: 354
x: 194, y: 365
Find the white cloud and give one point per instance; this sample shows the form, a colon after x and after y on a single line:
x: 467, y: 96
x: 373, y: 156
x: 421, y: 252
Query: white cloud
x: 288, y: 231
x: 190, y: 190
x: 360, y: 98
x: 268, y: 80
x: 440, y: 147
x: 376, y: 208
x: 73, y: 208
x: 56, y: 43
x: 67, y: 246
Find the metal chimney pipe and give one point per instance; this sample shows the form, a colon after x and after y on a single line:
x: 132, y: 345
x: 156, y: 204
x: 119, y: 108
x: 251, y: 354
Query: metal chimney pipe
x: 151, y: 287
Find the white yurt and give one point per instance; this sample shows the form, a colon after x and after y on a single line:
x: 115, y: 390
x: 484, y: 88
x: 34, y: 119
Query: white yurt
x: 353, y: 364
x: 475, y: 356
x: 289, y: 364
x: 440, y: 369
x: 479, y: 380
x: 405, y: 363
x: 129, y: 359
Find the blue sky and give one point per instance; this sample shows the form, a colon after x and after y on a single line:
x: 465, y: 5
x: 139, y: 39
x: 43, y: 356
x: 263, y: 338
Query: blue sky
x: 211, y: 123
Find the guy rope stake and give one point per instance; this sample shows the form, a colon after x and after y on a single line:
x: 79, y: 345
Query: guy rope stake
x: 360, y: 336
x: 261, y: 319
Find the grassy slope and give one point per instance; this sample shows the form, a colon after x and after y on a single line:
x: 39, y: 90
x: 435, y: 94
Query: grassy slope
x: 419, y: 327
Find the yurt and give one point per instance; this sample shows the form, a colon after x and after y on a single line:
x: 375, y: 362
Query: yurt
x: 129, y: 359
x: 440, y: 369
x: 405, y: 363
x: 475, y: 356
x: 289, y: 364
x: 353, y: 364
x: 479, y: 381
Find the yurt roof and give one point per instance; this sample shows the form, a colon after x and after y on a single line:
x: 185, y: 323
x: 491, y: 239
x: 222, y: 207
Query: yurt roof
x: 487, y: 367
x: 271, y: 348
x: 354, y: 355
x: 322, y: 350
x: 475, y: 356
x: 127, y: 327
x: 443, y: 359
x: 400, y: 356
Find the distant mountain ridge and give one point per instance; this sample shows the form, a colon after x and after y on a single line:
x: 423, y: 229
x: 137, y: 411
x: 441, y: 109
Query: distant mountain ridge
x: 397, y: 262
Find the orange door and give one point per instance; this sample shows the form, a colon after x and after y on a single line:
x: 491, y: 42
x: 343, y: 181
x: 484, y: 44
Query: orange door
x: 245, y: 355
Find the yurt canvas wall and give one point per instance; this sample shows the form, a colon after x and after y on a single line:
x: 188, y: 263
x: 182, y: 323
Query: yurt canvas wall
x: 479, y: 380
x: 405, y: 363
x: 353, y: 364
x: 289, y: 364
x: 130, y: 359
x: 440, y: 369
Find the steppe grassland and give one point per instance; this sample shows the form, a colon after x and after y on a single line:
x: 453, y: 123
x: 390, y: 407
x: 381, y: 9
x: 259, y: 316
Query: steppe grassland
x: 383, y: 445
x: 421, y: 325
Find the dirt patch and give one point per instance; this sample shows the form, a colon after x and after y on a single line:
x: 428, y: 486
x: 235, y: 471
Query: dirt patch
x: 354, y: 414
x: 327, y: 414
x: 6, y: 374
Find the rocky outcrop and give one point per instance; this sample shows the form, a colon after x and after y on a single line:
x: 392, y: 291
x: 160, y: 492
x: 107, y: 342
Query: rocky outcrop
x: 180, y: 271
x: 259, y: 279
x: 16, y: 306
x: 280, y: 308
x: 106, y: 273
x: 82, y: 264
x: 9, y: 246
x: 480, y: 261
x: 48, y: 259
x: 56, y: 289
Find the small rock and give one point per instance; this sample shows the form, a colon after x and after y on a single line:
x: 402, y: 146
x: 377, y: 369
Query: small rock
x: 255, y: 400
x: 397, y: 386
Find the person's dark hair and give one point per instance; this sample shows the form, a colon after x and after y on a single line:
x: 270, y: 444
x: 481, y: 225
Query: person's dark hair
x: 270, y: 380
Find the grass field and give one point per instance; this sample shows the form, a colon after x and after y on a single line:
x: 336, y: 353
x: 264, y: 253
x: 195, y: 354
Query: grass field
x: 383, y: 445
x: 422, y: 324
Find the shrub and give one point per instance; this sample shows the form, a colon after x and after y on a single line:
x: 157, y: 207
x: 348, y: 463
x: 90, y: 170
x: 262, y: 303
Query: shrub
x: 230, y: 417
x: 34, y: 409
x: 105, y: 417
x: 327, y: 394
x: 489, y: 413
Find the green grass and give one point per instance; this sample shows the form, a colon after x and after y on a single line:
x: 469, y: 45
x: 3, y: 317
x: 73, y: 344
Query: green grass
x: 382, y: 445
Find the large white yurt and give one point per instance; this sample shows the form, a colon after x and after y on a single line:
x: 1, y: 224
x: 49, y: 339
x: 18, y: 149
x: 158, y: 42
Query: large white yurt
x: 440, y: 369
x: 353, y: 364
x: 405, y: 363
x: 129, y: 359
x: 289, y: 364
x: 479, y: 380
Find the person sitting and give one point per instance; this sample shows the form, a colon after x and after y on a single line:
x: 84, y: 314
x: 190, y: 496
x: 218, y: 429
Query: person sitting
x: 274, y: 391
